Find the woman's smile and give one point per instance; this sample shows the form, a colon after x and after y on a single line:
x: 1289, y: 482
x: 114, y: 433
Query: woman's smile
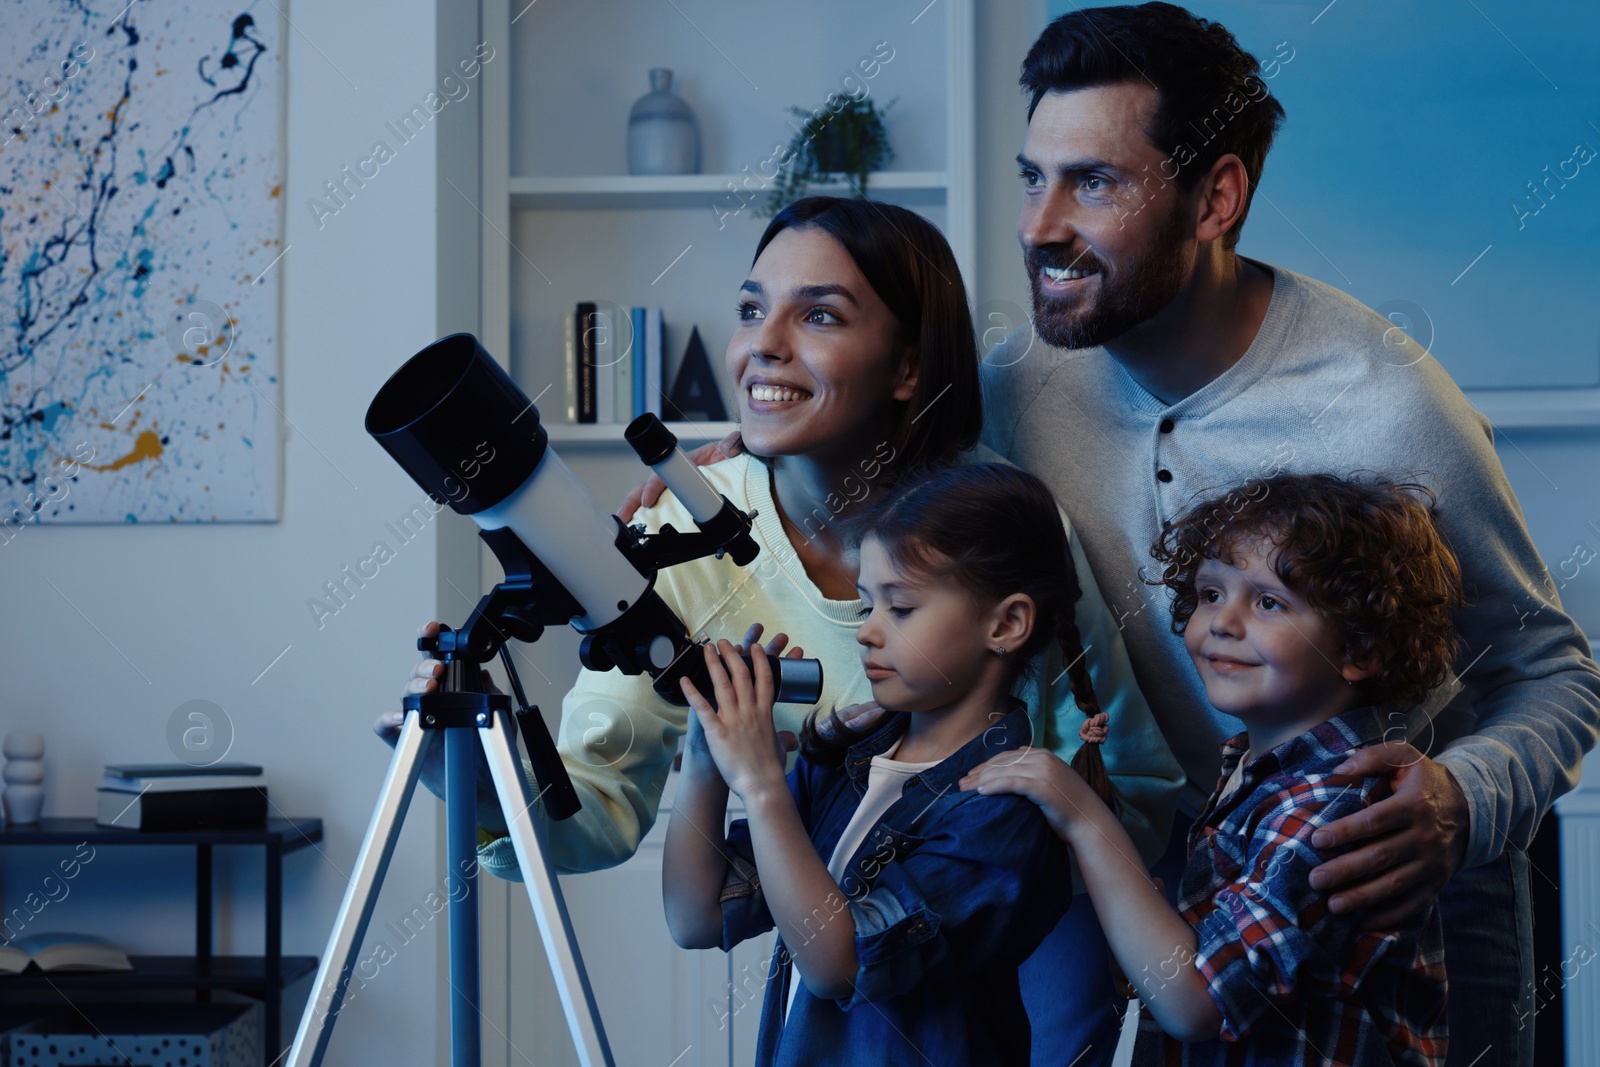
x: 771, y: 394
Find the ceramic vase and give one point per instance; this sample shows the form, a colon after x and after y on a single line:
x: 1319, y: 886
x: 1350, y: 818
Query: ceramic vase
x: 663, y: 134
x: 24, y: 775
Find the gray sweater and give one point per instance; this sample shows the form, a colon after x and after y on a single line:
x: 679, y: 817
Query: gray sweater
x: 1326, y: 385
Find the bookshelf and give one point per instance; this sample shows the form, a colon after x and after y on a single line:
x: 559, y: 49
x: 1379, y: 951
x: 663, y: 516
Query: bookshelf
x: 656, y: 191
x: 263, y: 976
x: 559, y: 220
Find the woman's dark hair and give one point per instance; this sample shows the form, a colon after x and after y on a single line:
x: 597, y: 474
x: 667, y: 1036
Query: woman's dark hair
x: 1213, y: 100
x: 1367, y: 555
x: 909, y: 265
x: 994, y: 530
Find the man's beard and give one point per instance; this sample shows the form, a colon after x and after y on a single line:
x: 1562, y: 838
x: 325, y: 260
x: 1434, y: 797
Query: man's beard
x: 1157, y: 273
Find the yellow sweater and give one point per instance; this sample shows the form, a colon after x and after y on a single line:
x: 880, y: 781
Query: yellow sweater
x: 618, y: 738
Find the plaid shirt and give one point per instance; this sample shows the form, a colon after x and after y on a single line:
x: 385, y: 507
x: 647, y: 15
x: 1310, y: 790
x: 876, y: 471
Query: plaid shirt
x: 1295, y: 983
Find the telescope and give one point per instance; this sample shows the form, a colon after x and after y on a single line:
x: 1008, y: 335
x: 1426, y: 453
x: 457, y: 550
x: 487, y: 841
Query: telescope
x: 454, y: 420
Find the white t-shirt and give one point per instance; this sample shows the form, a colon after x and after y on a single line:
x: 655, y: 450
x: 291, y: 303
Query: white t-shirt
x: 886, y: 778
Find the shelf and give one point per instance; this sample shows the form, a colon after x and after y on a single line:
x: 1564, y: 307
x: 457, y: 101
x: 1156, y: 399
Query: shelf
x: 203, y: 970
x: 700, y: 190
x: 1538, y: 409
x: 241, y: 973
x: 292, y: 834
x: 567, y: 433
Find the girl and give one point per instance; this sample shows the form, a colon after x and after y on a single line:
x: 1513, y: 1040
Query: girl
x: 903, y: 906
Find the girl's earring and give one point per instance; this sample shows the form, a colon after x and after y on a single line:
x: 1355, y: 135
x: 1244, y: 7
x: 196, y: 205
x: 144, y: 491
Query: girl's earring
x: 999, y: 650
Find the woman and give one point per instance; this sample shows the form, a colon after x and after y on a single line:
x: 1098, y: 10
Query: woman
x: 854, y: 361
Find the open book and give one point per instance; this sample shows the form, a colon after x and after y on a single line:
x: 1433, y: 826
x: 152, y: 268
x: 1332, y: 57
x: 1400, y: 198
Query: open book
x: 62, y: 952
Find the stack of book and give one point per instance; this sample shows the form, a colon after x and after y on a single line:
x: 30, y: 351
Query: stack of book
x: 177, y: 796
x: 613, y: 363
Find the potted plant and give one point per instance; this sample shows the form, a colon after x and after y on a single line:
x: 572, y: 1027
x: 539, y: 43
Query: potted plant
x: 847, y: 138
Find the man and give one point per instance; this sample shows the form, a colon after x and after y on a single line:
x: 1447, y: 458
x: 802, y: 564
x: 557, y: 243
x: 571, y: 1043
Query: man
x: 1171, y: 366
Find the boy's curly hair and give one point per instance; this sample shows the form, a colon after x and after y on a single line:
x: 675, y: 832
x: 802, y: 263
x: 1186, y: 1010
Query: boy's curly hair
x: 1365, y: 554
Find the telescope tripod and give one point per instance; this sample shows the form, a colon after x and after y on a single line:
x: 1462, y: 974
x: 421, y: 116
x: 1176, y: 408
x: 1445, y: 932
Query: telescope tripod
x: 461, y: 709
x: 451, y: 410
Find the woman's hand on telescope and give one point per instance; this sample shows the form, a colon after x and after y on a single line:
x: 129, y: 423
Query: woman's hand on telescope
x: 649, y: 491
x: 424, y: 679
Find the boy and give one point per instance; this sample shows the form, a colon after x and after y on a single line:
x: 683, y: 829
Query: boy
x: 1316, y: 610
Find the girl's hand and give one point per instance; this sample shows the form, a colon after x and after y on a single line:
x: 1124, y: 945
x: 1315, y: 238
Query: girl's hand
x: 738, y: 730
x: 695, y: 742
x: 698, y: 764
x: 1042, y: 777
x: 787, y: 741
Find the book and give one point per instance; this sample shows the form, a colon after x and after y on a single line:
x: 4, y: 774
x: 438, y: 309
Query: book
x: 605, y: 365
x: 179, y: 777
x: 180, y: 783
x: 179, y: 770
x: 622, y: 363
x: 586, y: 366
x: 206, y: 809
x: 653, y: 337
x: 636, y: 350
x: 62, y: 952
x: 569, y: 344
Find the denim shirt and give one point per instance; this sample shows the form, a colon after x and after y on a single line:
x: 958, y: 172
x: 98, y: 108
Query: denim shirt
x: 949, y: 892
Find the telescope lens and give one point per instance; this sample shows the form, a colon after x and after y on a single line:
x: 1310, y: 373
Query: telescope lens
x: 420, y: 383
x: 456, y: 422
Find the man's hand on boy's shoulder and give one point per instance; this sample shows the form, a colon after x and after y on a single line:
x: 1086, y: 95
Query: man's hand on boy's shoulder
x: 1403, y: 848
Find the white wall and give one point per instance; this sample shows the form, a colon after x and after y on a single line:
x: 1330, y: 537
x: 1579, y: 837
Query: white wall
x: 201, y: 611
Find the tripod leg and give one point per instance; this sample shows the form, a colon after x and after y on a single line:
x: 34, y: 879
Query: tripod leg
x: 333, y: 974
x: 461, y: 846
x: 549, y: 908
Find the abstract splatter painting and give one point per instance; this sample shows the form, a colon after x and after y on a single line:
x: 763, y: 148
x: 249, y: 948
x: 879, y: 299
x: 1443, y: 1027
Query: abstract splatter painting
x: 140, y: 232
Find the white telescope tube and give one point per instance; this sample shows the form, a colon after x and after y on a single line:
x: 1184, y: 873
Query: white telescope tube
x: 689, y: 486
x: 556, y: 516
